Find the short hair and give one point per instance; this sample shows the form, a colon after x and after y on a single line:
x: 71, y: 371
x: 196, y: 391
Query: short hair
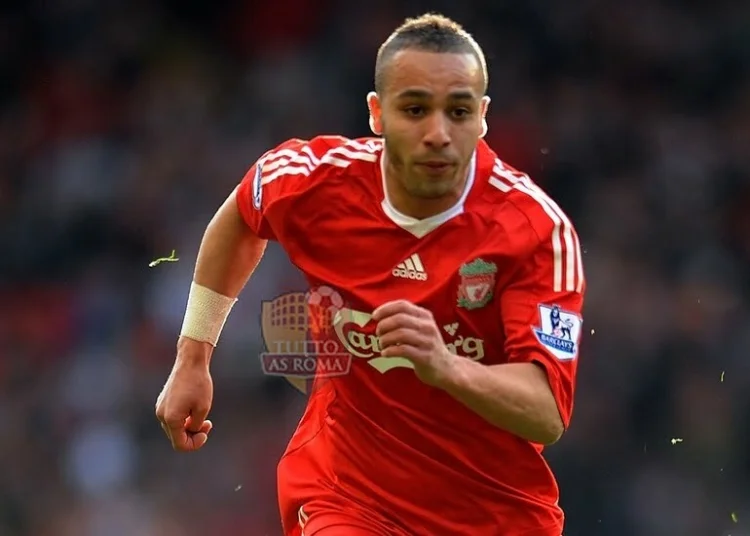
x: 430, y: 32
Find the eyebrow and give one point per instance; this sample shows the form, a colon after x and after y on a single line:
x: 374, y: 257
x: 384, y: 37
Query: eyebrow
x: 422, y: 94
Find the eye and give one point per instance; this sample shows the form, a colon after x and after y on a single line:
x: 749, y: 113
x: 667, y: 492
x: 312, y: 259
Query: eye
x: 414, y: 111
x: 460, y: 113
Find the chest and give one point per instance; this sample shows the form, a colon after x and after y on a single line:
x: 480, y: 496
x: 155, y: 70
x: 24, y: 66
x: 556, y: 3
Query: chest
x: 456, y: 271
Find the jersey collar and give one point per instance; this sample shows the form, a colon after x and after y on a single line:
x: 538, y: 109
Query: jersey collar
x: 417, y: 227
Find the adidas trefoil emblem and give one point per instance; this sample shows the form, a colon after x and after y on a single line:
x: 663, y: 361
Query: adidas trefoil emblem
x: 411, y: 268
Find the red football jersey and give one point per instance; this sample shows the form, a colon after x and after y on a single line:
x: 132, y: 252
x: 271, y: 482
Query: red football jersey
x: 501, y: 272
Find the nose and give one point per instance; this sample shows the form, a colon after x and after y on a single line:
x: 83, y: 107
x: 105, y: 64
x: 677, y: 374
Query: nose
x: 437, y: 135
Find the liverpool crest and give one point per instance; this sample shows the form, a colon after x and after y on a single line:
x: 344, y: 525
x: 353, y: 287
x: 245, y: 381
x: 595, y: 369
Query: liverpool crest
x: 477, y: 282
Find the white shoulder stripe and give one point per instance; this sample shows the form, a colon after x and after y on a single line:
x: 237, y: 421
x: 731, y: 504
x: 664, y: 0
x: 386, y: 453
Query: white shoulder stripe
x: 500, y: 185
x: 287, y: 169
x: 288, y: 162
x: 579, y: 263
x: 567, y: 265
x: 278, y: 158
x: 298, y: 159
x: 371, y: 146
x: 350, y: 154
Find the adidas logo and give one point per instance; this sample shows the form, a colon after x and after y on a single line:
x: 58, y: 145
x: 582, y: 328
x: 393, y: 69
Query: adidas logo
x: 411, y: 268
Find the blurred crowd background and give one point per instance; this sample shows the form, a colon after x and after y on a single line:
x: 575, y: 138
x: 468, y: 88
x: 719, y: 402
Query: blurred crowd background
x: 123, y: 126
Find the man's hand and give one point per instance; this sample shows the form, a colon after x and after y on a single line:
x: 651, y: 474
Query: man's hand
x: 408, y: 331
x: 185, y: 400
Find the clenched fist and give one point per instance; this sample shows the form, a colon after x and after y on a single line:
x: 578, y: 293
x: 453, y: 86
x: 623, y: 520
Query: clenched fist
x: 185, y: 400
x: 409, y: 331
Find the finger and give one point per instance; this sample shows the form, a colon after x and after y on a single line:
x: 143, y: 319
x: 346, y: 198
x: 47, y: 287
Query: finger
x: 393, y: 307
x: 170, y: 436
x: 402, y: 337
x: 196, y: 418
x: 177, y: 432
x: 192, y: 425
x: 162, y: 421
x: 196, y: 440
x: 398, y: 321
x: 406, y: 351
x: 207, y: 427
x: 166, y: 430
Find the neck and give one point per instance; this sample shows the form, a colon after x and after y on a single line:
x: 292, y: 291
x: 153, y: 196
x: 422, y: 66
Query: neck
x: 419, y: 207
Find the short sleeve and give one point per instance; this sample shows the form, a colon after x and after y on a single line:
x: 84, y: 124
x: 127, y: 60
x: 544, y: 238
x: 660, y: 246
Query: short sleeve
x: 541, y: 310
x: 278, y: 175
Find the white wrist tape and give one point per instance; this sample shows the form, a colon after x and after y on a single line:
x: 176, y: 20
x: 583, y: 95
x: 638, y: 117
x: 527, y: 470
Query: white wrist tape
x: 207, y: 312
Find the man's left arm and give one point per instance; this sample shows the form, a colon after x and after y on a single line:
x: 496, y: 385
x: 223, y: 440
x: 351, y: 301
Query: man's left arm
x: 531, y: 395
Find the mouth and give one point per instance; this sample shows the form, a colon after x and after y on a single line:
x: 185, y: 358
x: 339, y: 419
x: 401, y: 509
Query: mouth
x: 436, y: 165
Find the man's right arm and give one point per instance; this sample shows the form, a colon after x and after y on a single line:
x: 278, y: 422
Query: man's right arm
x: 232, y: 247
x: 228, y: 254
x: 236, y: 237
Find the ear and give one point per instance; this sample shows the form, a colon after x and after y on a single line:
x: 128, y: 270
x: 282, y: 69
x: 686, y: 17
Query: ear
x: 373, y: 105
x: 484, y: 106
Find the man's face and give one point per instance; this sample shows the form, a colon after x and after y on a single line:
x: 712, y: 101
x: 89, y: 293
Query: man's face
x: 431, y: 114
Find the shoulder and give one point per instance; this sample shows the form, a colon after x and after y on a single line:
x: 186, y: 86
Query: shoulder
x: 316, y: 157
x: 515, y: 196
x: 536, y: 225
x: 317, y: 146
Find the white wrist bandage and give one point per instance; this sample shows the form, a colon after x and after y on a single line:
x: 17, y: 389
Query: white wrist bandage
x: 207, y: 312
